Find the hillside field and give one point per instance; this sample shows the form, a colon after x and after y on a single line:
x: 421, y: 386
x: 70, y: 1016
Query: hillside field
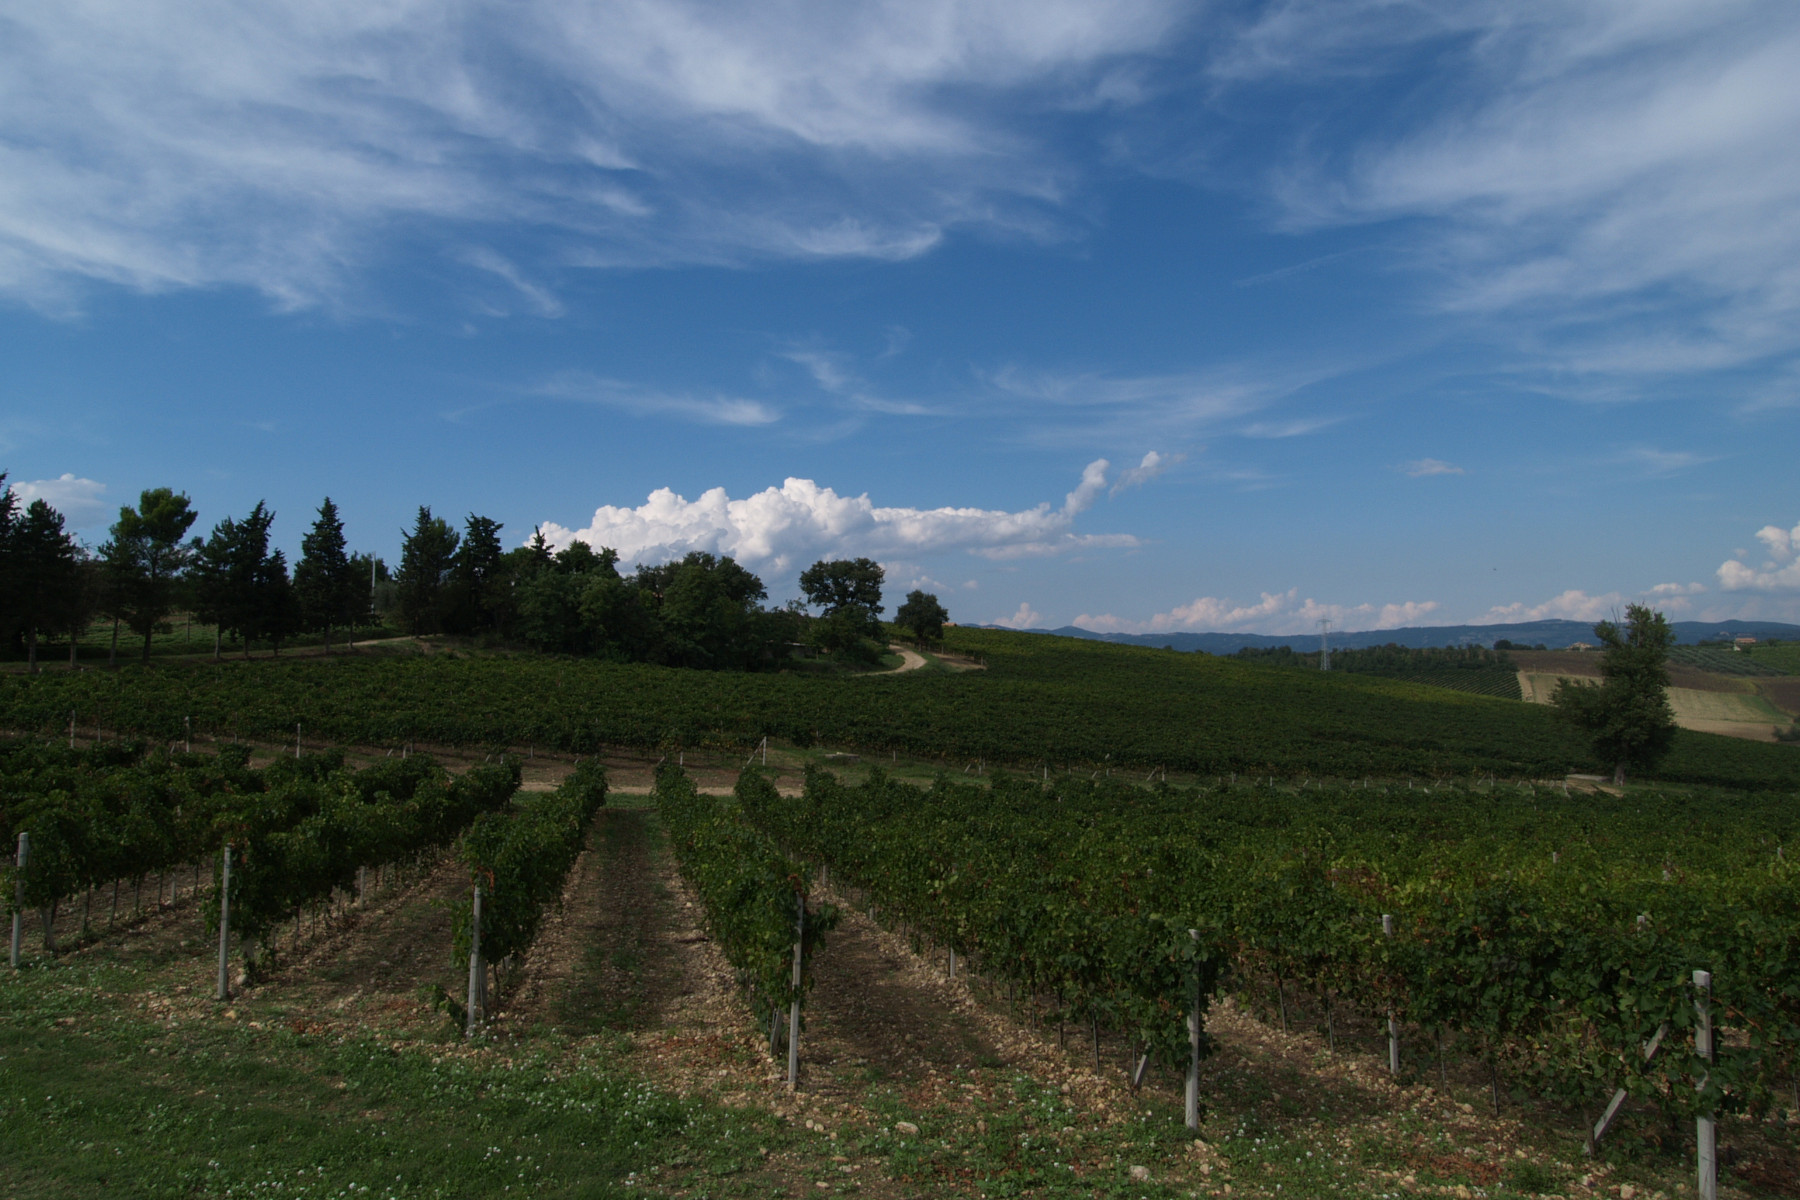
x: 1043, y: 704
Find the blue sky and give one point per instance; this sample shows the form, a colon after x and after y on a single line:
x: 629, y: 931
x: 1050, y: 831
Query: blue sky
x: 1136, y: 315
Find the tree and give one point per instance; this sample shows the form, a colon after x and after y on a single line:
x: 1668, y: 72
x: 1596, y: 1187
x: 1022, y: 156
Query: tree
x: 42, y: 581
x: 707, y: 607
x: 849, y: 592
x: 327, y: 585
x: 86, y: 600
x: 146, y: 557
x: 1627, y: 715
x: 242, y: 586
x: 922, y: 616
x: 427, y: 556
x: 9, y: 522
x: 476, y: 596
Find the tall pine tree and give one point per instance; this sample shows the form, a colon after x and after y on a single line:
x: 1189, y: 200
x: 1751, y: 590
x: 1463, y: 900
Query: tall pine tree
x: 44, y: 581
x: 325, y: 581
x: 427, y: 557
x: 146, y: 557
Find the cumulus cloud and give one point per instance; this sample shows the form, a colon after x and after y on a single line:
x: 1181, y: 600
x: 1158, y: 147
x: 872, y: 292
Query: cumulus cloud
x: 1779, y: 572
x: 1572, y: 605
x: 1025, y: 618
x: 1274, y: 613
x: 1420, y: 468
x: 165, y: 144
x: 780, y: 528
x: 77, y: 499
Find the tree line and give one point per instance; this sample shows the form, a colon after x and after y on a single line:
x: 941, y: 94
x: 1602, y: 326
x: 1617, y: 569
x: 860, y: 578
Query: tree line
x: 702, y: 610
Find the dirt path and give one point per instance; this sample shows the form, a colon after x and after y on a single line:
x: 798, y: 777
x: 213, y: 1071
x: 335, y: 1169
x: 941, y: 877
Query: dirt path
x: 910, y: 660
x: 617, y: 955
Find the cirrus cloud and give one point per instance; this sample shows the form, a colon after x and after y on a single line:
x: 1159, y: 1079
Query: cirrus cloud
x: 162, y: 145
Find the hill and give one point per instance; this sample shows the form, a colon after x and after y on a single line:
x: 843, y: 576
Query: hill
x: 1555, y: 635
x: 1043, y: 704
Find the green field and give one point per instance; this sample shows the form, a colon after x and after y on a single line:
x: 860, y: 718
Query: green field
x: 1785, y: 659
x: 1041, y: 703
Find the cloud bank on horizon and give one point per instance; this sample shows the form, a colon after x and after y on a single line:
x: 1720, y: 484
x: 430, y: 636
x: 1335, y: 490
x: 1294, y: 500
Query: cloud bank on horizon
x: 783, y: 528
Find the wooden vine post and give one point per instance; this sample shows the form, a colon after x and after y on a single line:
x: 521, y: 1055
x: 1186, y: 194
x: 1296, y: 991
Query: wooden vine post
x: 1193, y: 1071
x: 793, y: 1046
x: 476, y: 974
x: 224, y: 991
x: 1387, y: 931
x: 1706, y: 1149
x: 23, y: 856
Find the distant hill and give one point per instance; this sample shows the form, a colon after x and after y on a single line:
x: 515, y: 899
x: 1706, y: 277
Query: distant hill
x: 1553, y: 634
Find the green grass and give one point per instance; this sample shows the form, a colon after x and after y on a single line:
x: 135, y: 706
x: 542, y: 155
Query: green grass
x: 180, y: 636
x: 99, y: 1099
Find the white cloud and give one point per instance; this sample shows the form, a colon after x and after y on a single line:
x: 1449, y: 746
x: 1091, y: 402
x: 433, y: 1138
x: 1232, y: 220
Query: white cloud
x: 632, y: 398
x: 1152, y: 465
x: 541, y: 298
x: 835, y: 375
x: 1297, y: 427
x: 1093, y: 482
x: 1572, y: 605
x: 1662, y: 463
x: 1274, y: 613
x: 1430, y: 466
x: 1025, y: 618
x: 163, y: 144
x: 78, y: 500
x: 780, y: 528
x: 1780, y: 572
x: 1580, y: 159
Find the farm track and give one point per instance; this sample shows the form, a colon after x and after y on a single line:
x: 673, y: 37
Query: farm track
x: 885, y: 1026
x: 381, y: 960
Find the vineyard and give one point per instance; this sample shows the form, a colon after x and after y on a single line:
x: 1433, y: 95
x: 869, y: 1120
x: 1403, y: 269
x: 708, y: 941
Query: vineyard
x: 1548, y: 937
x: 1727, y: 662
x: 1536, y: 943
x: 1473, y: 669
x: 1042, y: 702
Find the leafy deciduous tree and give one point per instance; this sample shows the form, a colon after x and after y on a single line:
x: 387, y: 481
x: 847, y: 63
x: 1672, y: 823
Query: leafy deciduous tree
x: 849, y: 592
x: 922, y: 616
x: 1627, y: 715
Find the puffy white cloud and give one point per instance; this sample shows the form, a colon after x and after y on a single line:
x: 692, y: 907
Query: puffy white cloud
x: 78, y: 500
x: 1093, y: 482
x: 1430, y: 466
x: 783, y: 527
x: 1274, y: 613
x: 1572, y: 605
x: 166, y: 144
x: 1025, y: 618
x: 1780, y: 572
